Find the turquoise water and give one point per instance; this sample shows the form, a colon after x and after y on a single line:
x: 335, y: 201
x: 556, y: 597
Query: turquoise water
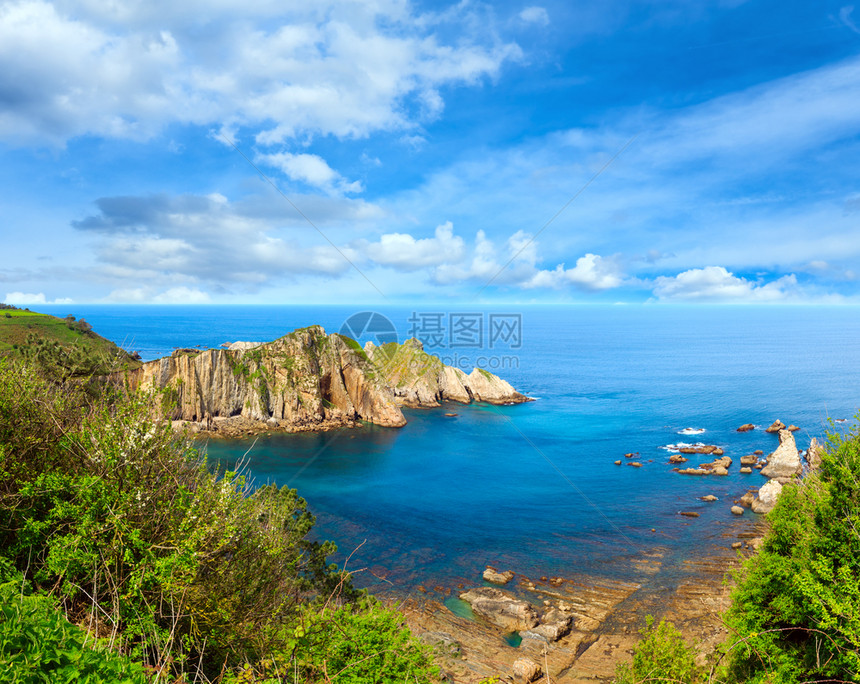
x: 533, y: 487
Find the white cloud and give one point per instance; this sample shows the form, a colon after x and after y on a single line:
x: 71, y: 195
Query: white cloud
x: 187, y: 240
x: 845, y: 17
x: 182, y: 295
x: 406, y: 253
x: 715, y: 283
x: 591, y: 272
x: 535, y: 15
x: 341, y: 68
x: 27, y: 298
x: 311, y: 169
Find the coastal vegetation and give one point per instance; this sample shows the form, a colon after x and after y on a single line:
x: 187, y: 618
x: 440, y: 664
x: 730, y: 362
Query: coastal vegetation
x: 126, y: 557
x: 795, y: 612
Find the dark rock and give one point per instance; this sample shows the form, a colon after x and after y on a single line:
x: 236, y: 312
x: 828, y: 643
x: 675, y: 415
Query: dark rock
x: 746, y: 427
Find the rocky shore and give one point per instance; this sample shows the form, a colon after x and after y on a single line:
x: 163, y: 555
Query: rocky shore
x: 307, y: 380
x: 575, y: 629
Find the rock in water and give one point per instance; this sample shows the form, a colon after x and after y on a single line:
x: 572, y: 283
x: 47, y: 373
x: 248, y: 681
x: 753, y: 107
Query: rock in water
x: 776, y: 427
x: 526, y: 670
x: 509, y: 613
x: 737, y: 510
x: 785, y: 461
x: 496, y: 577
x: 767, y: 496
x: 746, y: 427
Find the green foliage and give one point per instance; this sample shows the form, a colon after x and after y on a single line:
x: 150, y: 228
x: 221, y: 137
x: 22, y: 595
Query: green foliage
x: 65, y: 348
x: 39, y: 645
x: 361, y: 643
x: 104, y: 504
x: 796, y: 612
x: 192, y: 573
x: 661, y: 656
x: 354, y: 345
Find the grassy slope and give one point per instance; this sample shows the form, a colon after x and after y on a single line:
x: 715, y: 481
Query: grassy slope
x: 16, y: 324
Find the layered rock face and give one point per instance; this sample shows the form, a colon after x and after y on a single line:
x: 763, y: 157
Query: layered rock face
x: 419, y: 379
x: 785, y: 461
x: 309, y: 380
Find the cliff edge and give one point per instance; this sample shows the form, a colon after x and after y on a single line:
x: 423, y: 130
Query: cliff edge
x: 310, y: 380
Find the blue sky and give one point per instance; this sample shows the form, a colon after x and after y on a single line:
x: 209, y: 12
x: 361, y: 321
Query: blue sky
x: 395, y: 152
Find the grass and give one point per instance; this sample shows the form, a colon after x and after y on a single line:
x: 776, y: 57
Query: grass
x: 17, y: 324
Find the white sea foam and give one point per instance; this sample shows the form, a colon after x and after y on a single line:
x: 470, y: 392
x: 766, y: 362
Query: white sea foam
x: 691, y: 431
x: 676, y: 448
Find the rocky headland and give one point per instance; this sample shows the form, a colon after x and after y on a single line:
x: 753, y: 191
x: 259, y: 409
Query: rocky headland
x: 308, y: 380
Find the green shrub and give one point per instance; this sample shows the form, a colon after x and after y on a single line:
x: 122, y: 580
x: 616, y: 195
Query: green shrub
x: 661, y: 656
x: 105, y: 505
x: 38, y: 644
x: 795, y: 615
x: 360, y: 643
x: 192, y: 573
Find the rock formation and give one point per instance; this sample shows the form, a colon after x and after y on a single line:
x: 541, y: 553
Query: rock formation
x: 767, y: 496
x: 785, y: 461
x: 526, y: 670
x: 496, y: 577
x: 776, y: 426
x: 746, y: 427
x: 419, y: 379
x: 813, y: 454
x: 309, y: 380
x: 501, y: 609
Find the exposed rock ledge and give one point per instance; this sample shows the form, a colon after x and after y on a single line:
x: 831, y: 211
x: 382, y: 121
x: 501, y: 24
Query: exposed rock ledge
x: 308, y: 380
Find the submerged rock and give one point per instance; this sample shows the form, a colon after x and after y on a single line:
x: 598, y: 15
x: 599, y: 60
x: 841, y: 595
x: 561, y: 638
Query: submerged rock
x: 785, y: 461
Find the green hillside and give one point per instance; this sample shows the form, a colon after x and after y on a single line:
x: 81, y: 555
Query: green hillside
x: 66, y: 341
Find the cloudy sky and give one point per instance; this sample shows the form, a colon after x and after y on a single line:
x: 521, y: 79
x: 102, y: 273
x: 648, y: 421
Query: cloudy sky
x: 385, y: 151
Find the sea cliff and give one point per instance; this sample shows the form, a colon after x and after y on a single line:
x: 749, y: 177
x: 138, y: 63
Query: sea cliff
x: 310, y: 380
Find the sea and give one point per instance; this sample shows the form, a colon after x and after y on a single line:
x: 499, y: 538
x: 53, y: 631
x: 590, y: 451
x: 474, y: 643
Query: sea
x: 535, y: 487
